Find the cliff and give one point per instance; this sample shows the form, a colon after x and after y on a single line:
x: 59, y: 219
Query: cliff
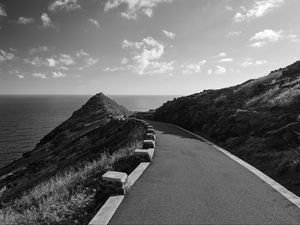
x: 258, y: 121
x: 95, y: 128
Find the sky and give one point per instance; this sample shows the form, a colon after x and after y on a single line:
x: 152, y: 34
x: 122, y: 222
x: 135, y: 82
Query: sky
x: 142, y: 47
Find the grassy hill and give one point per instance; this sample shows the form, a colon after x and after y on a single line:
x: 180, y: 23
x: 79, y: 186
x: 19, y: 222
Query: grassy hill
x: 258, y: 121
x: 58, y: 181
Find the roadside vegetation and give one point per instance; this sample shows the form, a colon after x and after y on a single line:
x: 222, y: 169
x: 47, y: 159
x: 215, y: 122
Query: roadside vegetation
x: 69, y: 197
x: 259, y: 121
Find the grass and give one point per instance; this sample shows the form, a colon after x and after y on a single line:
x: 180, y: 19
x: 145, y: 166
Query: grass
x: 64, y: 197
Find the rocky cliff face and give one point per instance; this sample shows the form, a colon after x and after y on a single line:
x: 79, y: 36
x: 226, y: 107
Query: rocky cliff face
x: 258, y: 120
x: 94, y: 128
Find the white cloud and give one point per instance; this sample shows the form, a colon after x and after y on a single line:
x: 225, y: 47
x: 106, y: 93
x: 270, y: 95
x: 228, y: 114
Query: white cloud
x: 52, y: 62
x: 24, y: 20
x: 66, y: 60
x: 234, y: 33
x: 82, y: 53
x: 220, y: 70
x: 209, y: 71
x: 228, y: 8
x: 113, y: 69
x: 169, y: 34
x: 134, y: 7
x: 58, y: 74
x: 259, y: 9
x: 124, y: 61
x: 262, y: 38
x: 250, y: 62
x: 20, y: 76
x: 226, y: 60
x: 293, y: 38
x: 38, y: 49
x: 145, y: 56
x: 5, y: 56
x: 39, y: 75
x: 67, y: 5
x: 220, y: 55
x: 2, y: 11
x: 36, y: 61
x: 95, y: 22
x: 192, y: 68
x: 46, y: 21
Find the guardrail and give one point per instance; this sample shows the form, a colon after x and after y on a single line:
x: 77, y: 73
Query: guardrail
x: 118, y: 183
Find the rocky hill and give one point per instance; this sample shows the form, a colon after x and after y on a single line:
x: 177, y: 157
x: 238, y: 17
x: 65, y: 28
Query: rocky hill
x: 258, y: 120
x: 97, y: 127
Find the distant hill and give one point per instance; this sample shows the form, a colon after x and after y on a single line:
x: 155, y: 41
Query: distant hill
x: 95, y: 128
x: 258, y: 120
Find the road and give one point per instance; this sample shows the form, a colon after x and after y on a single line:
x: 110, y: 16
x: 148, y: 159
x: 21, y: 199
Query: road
x: 190, y: 182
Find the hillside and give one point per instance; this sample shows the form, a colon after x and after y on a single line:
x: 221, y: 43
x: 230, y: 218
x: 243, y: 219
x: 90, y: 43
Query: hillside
x: 258, y: 121
x: 94, y: 129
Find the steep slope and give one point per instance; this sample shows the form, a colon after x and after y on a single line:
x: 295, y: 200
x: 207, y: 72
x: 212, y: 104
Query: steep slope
x: 258, y: 120
x: 95, y: 128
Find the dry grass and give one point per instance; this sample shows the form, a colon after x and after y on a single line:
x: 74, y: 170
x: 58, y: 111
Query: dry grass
x: 57, y: 200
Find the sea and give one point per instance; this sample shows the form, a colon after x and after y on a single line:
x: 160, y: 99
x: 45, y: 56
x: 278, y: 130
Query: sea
x: 24, y: 120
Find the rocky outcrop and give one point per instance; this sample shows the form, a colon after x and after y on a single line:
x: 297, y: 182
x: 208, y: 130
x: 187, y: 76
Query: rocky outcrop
x: 257, y: 120
x: 95, y: 128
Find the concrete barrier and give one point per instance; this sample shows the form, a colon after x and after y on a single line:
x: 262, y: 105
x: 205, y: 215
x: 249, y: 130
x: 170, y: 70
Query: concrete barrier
x: 151, y: 131
x: 148, y: 144
x: 149, y: 136
x: 115, y: 183
x: 145, y: 154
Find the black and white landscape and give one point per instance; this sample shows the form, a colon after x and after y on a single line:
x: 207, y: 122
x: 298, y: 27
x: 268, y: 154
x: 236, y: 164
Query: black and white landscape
x: 149, y: 112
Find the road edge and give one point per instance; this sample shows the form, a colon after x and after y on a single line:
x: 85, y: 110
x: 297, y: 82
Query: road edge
x: 275, y: 185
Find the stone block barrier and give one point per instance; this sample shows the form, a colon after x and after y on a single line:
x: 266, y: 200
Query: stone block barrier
x: 148, y: 144
x: 149, y: 136
x: 115, y: 183
x: 146, y: 155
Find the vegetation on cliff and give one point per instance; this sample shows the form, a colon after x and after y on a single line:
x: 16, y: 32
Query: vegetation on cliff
x: 258, y: 121
x: 57, y: 182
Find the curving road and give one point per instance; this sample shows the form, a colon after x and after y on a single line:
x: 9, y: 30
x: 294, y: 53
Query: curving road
x: 190, y: 182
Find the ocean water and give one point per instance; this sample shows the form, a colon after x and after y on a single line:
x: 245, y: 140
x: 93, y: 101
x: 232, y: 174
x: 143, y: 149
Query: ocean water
x: 24, y: 120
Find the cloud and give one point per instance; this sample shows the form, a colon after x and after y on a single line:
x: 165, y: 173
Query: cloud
x: 66, y: 5
x: 124, y: 61
x: 293, y: 38
x: 20, y: 76
x: 38, y: 49
x: 145, y: 56
x: 192, y: 68
x: 24, y: 20
x: 234, y: 33
x: 262, y: 38
x: 228, y: 8
x: 220, y: 70
x: 220, y: 55
x: 134, y: 7
x: 226, y: 60
x: 2, y: 11
x: 5, y: 56
x: 250, y: 62
x: 39, y: 75
x: 52, y: 62
x: 259, y: 9
x: 86, y: 59
x: 58, y: 74
x: 209, y: 71
x: 169, y: 34
x: 95, y: 22
x: 46, y: 21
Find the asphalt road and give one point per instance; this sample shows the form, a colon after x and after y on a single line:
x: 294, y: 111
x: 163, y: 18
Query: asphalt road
x: 190, y: 182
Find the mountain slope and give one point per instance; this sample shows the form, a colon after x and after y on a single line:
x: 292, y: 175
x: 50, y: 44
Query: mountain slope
x: 93, y: 129
x: 258, y: 120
